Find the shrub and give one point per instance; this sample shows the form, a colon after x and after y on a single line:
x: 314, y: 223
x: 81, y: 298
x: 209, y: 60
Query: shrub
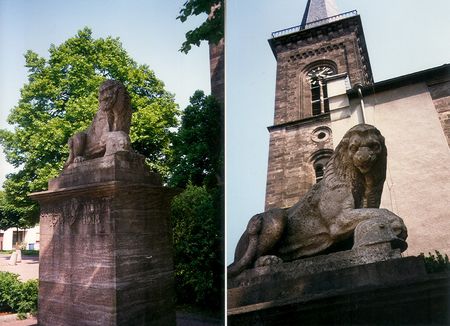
x: 17, y: 296
x: 30, y: 252
x: 197, y: 243
x: 8, y: 284
x: 436, y: 263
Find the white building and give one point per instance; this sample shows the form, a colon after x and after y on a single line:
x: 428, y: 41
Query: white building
x: 29, y: 237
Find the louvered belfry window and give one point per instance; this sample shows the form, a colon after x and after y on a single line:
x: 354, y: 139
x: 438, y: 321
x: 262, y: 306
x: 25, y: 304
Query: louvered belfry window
x: 317, y: 78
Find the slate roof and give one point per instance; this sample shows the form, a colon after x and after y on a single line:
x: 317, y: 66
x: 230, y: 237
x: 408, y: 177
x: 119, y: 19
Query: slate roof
x: 319, y: 9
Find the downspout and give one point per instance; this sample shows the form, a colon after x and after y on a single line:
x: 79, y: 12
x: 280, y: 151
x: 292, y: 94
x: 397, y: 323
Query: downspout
x: 361, y: 101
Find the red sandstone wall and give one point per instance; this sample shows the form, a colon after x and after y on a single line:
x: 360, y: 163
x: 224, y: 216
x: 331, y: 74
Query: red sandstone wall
x: 440, y: 93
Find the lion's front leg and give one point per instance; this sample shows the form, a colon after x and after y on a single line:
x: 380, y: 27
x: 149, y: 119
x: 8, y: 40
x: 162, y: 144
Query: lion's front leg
x: 77, y: 146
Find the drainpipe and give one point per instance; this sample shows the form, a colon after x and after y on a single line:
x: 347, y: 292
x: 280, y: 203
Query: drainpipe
x: 361, y: 101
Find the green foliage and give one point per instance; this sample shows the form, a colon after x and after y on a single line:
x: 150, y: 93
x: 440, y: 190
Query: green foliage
x: 198, y: 145
x: 197, y: 213
x: 10, y: 215
x: 436, y: 263
x: 197, y: 244
x: 212, y: 30
x: 8, y: 282
x: 30, y: 252
x: 17, y: 296
x: 60, y: 99
x: 27, y: 298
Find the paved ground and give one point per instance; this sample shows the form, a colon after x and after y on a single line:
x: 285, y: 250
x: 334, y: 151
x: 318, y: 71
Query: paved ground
x: 182, y: 320
x: 12, y: 321
x: 29, y: 269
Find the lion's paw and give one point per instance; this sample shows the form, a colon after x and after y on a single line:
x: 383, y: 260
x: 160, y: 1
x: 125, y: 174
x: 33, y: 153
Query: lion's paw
x: 268, y: 260
x: 397, y: 225
x: 79, y: 159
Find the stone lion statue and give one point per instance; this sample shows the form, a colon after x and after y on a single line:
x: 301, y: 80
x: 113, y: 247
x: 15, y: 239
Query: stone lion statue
x: 349, y: 193
x: 109, y: 130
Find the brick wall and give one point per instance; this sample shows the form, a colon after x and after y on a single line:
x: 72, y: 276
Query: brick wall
x: 217, y: 70
x: 340, y: 44
x: 290, y: 173
x: 440, y: 93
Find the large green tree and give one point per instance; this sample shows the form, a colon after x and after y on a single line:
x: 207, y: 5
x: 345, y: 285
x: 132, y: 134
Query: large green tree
x: 198, y: 145
x: 211, y: 30
x: 10, y: 216
x: 197, y: 213
x: 60, y: 99
x: 198, y: 247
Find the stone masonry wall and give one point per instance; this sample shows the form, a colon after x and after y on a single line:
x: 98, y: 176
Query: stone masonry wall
x: 291, y: 173
x: 217, y: 70
x: 440, y: 93
x: 341, y: 44
x: 106, y: 256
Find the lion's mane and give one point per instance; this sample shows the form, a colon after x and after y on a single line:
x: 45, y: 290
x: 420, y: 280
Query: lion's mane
x: 119, y: 110
x: 341, y: 172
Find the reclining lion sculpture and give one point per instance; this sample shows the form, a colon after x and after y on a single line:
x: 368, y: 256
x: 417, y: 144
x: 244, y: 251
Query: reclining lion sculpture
x: 109, y: 130
x: 349, y: 193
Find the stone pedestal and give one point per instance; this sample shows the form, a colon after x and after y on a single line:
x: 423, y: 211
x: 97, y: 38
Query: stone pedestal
x: 106, y: 246
x: 364, y: 286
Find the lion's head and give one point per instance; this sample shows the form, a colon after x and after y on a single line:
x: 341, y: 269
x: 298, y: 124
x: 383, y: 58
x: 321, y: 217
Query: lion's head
x: 360, y: 161
x: 365, y: 147
x: 114, y: 99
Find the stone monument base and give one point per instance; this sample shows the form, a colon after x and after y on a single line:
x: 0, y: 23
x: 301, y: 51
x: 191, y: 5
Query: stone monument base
x: 106, y: 251
x: 341, y: 289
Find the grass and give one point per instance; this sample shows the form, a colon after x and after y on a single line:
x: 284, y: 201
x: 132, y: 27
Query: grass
x: 24, y: 252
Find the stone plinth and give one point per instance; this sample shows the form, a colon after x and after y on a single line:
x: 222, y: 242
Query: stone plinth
x: 341, y: 289
x: 122, y: 166
x: 106, y: 248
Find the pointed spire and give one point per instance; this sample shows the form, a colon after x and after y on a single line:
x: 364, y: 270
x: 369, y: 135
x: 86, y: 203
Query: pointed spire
x: 319, y: 9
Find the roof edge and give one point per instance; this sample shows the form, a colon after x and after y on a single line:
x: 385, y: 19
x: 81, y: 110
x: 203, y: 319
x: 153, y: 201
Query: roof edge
x: 433, y: 75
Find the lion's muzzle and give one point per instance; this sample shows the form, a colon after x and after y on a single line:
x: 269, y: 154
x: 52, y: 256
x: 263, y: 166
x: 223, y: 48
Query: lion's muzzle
x: 364, y: 159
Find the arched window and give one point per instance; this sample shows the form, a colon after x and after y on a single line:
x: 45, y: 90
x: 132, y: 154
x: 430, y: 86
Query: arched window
x: 317, y: 78
x: 318, y: 168
x: 319, y: 160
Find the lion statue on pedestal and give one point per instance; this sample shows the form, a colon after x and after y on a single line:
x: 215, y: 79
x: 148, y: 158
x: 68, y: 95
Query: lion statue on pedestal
x: 349, y: 193
x: 109, y: 130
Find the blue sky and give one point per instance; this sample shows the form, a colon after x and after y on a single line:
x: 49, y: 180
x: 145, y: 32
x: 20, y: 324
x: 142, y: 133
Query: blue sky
x: 147, y: 29
x: 402, y: 36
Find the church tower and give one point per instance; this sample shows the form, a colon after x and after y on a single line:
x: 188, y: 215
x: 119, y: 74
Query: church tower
x: 317, y: 62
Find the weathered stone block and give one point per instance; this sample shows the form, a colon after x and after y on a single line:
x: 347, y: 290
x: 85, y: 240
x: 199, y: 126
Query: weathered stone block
x: 390, y: 292
x: 106, y: 251
x: 290, y: 171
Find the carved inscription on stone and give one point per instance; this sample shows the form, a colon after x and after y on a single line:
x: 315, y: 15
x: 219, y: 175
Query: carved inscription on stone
x: 91, y: 211
x: 51, y: 218
x: 85, y: 211
x: 71, y: 210
x: 90, y: 215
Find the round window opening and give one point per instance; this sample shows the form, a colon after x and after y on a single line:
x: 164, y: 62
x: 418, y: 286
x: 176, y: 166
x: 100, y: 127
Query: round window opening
x: 321, y: 134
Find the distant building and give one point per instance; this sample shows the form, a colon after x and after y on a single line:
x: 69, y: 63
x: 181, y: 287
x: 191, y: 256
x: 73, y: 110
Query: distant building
x: 324, y: 87
x: 28, y: 237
